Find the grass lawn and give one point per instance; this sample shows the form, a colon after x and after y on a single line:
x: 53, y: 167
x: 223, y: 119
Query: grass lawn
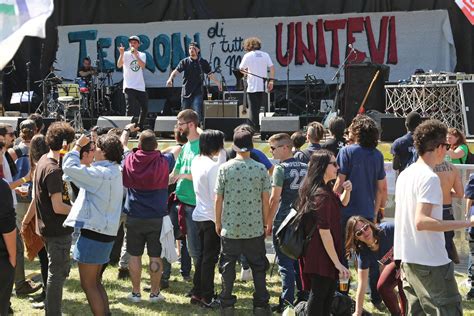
x: 75, y: 302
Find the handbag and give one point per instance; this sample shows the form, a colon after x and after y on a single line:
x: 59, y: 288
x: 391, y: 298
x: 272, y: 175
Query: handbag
x: 291, y: 237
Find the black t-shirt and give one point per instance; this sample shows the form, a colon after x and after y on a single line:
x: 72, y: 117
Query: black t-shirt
x: 333, y: 145
x: 48, y: 181
x: 194, y: 71
x: 7, y: 215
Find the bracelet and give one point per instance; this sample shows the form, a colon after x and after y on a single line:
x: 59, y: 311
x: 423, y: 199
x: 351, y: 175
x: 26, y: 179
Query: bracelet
x: 23, y: 180
x: 382, y: 209
x: 77, y: 144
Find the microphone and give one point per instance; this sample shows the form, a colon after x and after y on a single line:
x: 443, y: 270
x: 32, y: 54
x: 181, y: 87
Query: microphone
x: 350, y: 46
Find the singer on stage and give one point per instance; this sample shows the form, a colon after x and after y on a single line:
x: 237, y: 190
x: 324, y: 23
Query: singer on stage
x: 193, y: 67
x: 133, y: 63
x: 255, y: 65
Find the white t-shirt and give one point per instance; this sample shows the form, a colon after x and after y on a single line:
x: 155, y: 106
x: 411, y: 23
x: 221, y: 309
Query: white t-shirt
x: 256, y: 62
x: 418, y: 184
x: 8, y: 177
x: 132, y: 72
x: 204, y: 171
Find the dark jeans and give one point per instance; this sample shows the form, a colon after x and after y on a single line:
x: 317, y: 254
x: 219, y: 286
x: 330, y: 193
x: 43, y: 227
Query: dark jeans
x: 137, y: 105
x: 20, y: 261
x: 321, y: 296
x: 206, y: 261
x: 194, y: 103
x: 387, y: 282
x: 58, y: 270
x: 256, y: 101
x: 449, y: 235
x: 254, y: 250
x: 7, y: 276
x: 374, y: 272
x: 43, y: 259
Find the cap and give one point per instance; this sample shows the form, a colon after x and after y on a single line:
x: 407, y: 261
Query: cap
x: 29, y: 124
x: 195, y: 44
x: 242, y: 141
x: 134, y: 38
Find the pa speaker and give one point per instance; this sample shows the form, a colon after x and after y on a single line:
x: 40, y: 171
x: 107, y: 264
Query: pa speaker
x: 278, y: 124
x: 357, y: 81
x: 114, y: 121
x: 165, y: 124
x: 225, y: 124
x: 392, y: 128
x: 220, y: 108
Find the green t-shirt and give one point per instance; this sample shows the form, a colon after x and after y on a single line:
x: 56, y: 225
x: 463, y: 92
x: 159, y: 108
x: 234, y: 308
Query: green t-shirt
x: 184, y: 187
x: 242, y: 182
x: 461, y: 160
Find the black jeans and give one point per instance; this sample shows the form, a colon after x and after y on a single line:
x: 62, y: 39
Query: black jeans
x: 137, y: 106
x: 256, y: 101
x: 7, y: 276
x: 254, y: 250
x: 206, y: 262
x: 321, y: 296
x: 43, y: 259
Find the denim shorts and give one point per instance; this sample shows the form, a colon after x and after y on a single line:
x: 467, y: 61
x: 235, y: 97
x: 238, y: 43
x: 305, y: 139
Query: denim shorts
x: 91, y: 251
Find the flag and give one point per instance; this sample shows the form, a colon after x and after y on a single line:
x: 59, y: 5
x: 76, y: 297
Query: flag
x: 467, y: 7
x: 20, y: 18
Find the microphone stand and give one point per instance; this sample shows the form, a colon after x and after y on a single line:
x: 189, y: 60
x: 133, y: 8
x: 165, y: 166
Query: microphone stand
x: 337, y: 76
x: 28, y: 86
x: 287, y: 91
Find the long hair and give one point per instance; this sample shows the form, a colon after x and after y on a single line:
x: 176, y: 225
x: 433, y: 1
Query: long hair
x: 460, y: 136
x: 352, y: 243
x: 313, y: 183
x: 38, y: 148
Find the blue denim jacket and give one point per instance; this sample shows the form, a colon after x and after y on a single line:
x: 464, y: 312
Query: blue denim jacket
x: 99, y: 203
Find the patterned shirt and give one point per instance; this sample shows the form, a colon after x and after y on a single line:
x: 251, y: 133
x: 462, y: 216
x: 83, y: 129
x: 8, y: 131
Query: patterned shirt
x: 242, y: 182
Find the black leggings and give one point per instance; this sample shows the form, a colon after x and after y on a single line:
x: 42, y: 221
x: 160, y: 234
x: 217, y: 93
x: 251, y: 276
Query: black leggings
x: 43, y: 259
x: 321, y: 296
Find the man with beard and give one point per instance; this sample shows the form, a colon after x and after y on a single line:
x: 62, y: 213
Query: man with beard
x: 193, y: 68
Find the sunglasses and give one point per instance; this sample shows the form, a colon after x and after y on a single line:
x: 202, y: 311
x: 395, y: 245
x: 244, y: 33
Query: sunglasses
x: 334, y: 163
x: 446, y: 145
x: 362, y: 230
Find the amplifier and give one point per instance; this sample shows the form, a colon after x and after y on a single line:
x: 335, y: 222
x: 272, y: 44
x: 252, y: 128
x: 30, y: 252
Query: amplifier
x: 220, y: 108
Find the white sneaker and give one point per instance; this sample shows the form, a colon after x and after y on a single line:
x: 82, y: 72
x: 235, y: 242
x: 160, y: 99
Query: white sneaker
x: 246, y: 275
x: 155, y: 298
x: 134, y: 297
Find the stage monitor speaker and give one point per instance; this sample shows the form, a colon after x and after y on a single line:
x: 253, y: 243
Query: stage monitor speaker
x: 14, y: 121
x: 114, y: 121
x: 466, y: 90
x: 156, y: 105
x: 278, y: 124
x: 357, y: 81
x: 225, y: 124
x: 220, y: 108
x: 165, y: 124
x: 392, y: 128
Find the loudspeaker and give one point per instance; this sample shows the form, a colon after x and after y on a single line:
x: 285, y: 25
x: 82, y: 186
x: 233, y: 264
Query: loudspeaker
x: 466, y: 90
x: 219, y: 108
x: 278, y: 124
x: 114, y: 121
x: 156, y: 105
x: 357, y: 81
x: 225, y: 124
x: 13, y: 121
x: 165, y: 124
x: 392, y: 128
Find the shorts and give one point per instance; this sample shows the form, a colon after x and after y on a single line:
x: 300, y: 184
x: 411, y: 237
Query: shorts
x: 91, y: 251
x: 141, y: 231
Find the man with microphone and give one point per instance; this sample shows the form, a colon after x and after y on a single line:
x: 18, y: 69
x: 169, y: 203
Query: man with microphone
x: 136, y: 98
x: 193, y: 68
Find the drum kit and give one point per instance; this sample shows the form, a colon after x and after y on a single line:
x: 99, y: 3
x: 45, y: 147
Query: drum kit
x: 70, y: 100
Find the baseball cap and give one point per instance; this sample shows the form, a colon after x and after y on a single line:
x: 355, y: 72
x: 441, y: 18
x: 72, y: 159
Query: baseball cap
x: 195, y: 44
x: 242, y: 141
x: 134, y: 38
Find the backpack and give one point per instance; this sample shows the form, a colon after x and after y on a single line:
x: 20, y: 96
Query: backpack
x: 291, y: 238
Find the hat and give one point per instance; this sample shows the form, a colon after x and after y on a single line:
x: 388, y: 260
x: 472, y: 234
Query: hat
x: 195, y: 44
x: 134, y: 38
x: 242, y: 141
x: 28, y: 124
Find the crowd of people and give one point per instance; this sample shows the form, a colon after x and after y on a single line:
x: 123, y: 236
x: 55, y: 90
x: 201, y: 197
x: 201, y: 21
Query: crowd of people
x: 59, y: 192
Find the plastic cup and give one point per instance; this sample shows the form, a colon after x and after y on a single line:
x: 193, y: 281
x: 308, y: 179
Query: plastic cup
x: 24, y: 189
x: 343, y: 284
x: 209, y: 96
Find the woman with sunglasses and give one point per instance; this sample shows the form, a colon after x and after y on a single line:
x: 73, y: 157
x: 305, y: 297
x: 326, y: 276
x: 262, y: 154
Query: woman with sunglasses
x: 319, y: 205
x: 371, y: 243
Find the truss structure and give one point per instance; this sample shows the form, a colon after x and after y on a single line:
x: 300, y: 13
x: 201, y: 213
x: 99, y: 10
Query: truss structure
x: 437, y: 101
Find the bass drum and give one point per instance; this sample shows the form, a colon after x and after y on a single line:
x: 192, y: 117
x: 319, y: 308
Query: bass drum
x: 118, y: 99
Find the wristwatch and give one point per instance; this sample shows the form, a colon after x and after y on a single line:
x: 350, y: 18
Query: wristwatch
x: 127, y: 130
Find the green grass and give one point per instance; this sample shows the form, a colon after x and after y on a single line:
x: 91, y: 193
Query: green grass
x: 75, y: 302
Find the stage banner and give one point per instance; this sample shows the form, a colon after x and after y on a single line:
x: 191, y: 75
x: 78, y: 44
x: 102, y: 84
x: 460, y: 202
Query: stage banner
x: 20, y: 18
x: 315, y: 45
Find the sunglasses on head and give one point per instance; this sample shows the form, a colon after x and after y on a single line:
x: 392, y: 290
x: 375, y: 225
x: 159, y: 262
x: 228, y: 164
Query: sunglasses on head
x: 362, y: 230
x: 446, y: 145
